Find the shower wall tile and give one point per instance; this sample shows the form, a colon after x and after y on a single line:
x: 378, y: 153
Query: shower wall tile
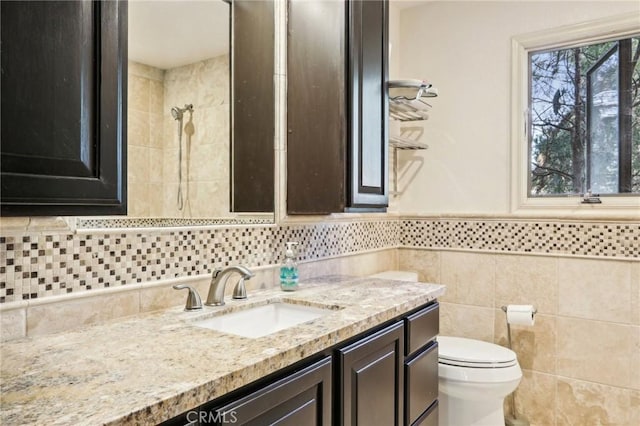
x: 138, y: 93
x: 138, y: 167
x: 595, y: 289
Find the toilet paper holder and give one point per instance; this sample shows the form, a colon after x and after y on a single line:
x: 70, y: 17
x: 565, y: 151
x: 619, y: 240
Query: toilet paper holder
x: 514, y: 420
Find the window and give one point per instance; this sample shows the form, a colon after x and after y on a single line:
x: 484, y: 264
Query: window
x: 576, y: 116
x: 584, y: 105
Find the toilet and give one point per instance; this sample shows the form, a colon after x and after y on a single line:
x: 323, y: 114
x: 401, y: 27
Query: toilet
x: 474, y: 379
x: 474, y: 376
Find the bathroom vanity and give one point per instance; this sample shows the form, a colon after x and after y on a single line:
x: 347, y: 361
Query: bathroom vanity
x: 373, y: 354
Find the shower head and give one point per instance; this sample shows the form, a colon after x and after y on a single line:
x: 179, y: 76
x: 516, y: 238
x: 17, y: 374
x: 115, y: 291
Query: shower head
x: 177, y: 112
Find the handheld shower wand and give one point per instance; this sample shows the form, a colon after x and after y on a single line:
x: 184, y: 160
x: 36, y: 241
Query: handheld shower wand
x: 177, y: 113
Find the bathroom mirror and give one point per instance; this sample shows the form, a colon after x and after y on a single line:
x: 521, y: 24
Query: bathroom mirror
x: 179, y: 115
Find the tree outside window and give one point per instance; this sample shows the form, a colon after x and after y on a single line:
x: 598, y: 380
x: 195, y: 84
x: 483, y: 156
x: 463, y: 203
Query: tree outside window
x: 584, y: 115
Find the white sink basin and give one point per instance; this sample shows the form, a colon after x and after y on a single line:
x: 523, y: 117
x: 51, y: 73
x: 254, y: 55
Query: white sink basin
x: 258, y: 321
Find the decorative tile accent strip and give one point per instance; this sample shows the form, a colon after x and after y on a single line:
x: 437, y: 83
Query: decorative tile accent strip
x: 164, y: 223
x: 35, y: 265
x: 39, y: 265
x: 620, y: 240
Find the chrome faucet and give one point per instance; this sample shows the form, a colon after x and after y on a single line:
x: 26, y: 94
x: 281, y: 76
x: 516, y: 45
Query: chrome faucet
x: 219, y: 280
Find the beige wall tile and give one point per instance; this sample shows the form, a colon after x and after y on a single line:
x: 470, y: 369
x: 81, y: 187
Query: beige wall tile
x: 369, y: 263
x: 145, y: 71
x: 209, y: 199
x: 527, y: 280
x: 138, y: 164
x: 535, y: 346
x: 74, y: 313
x: 154, y: 298
x: 13, y: 324
x: 585, y: 403
x: 425, y: 262
x: 635, y: 359
x: 468, y: 321
x: 595, y: 289
x: 635, y: 293
x: 634, y: 410
x: 596, y: 351
x: 536, y: 398
x: 138, y: 204
x: 138, y: 94
x: 137, y: 129
x: 156, y: 163
x: 469, y: 277
x: 156, y: 97
x: 156, y: 131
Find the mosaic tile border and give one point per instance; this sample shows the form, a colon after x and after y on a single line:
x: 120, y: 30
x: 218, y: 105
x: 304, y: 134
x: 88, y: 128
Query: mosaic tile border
x: 38, y: 265
x: 165, y: 222
x: 610, y: 240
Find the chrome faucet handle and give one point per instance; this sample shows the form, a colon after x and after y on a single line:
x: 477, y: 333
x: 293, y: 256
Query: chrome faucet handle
x: 240, y: 291
x: 193, y: 298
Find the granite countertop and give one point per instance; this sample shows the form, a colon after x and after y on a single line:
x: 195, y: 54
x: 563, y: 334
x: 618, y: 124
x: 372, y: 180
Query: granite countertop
x: 152, y: 367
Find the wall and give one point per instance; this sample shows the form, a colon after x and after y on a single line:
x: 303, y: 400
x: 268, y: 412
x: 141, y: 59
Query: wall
x: 205, y: 156
x: 464, y: 49
x: 581, y: 361
x: 153, y: 148
x: 145, y: 139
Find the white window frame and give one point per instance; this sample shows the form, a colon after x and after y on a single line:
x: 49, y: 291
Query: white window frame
x: 601, y: 30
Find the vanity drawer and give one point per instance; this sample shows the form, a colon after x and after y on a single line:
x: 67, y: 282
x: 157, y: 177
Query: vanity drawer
x: 421, y: 380
x: 422, y: 327
x: 430, y: 417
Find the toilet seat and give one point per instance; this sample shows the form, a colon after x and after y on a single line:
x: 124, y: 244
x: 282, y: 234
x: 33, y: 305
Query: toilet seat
x: 469, y: 353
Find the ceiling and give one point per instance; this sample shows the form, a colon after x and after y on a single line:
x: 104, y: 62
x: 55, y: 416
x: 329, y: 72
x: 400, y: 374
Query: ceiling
x: 168, y: 34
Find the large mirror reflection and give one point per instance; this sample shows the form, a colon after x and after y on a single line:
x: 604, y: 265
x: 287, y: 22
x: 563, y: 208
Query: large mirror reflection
x: 179, y: 116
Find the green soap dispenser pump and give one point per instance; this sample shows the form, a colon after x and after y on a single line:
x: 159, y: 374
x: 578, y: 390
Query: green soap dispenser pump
x: 289, y: 269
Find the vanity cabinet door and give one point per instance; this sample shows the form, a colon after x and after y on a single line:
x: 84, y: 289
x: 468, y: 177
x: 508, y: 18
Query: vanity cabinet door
x: 371, y: 388
x: 64, y: 79
x: 300, y: 399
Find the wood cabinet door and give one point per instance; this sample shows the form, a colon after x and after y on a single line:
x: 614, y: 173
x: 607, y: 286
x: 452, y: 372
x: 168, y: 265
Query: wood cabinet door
x: 253, y: 106
x: 368, y: 104
x: 371, y: 388
x: 300, y: 399
x: 64, y: 86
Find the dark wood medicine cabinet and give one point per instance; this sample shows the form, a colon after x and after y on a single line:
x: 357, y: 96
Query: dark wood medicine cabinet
x: 64, y: 108
x: 337, y: 109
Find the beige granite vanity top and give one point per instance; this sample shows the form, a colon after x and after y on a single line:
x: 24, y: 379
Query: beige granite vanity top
x: 152, y: 367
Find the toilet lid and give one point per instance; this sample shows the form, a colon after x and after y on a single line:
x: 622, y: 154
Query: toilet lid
x: 473, y: 353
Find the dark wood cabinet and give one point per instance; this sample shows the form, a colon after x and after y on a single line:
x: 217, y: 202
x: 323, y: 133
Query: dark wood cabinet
x: 371, y: 379
x: 368, y: 104
x: 64, y: 79
x: 371, y: 388
x: 337, y: 109
x: 253, y: 112
x: 302, y: 398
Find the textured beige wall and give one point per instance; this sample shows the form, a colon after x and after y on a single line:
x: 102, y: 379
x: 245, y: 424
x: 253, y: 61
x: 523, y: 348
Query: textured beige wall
x: 145, y: 140
x: 581, y: 359
x: 153, y: 149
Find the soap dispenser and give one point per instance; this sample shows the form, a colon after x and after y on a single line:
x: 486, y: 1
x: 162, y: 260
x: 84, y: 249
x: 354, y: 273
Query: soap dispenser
x: 289, y: 269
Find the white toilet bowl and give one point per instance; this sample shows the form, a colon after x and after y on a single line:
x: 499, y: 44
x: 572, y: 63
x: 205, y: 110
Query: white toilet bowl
x: 474, y: 379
